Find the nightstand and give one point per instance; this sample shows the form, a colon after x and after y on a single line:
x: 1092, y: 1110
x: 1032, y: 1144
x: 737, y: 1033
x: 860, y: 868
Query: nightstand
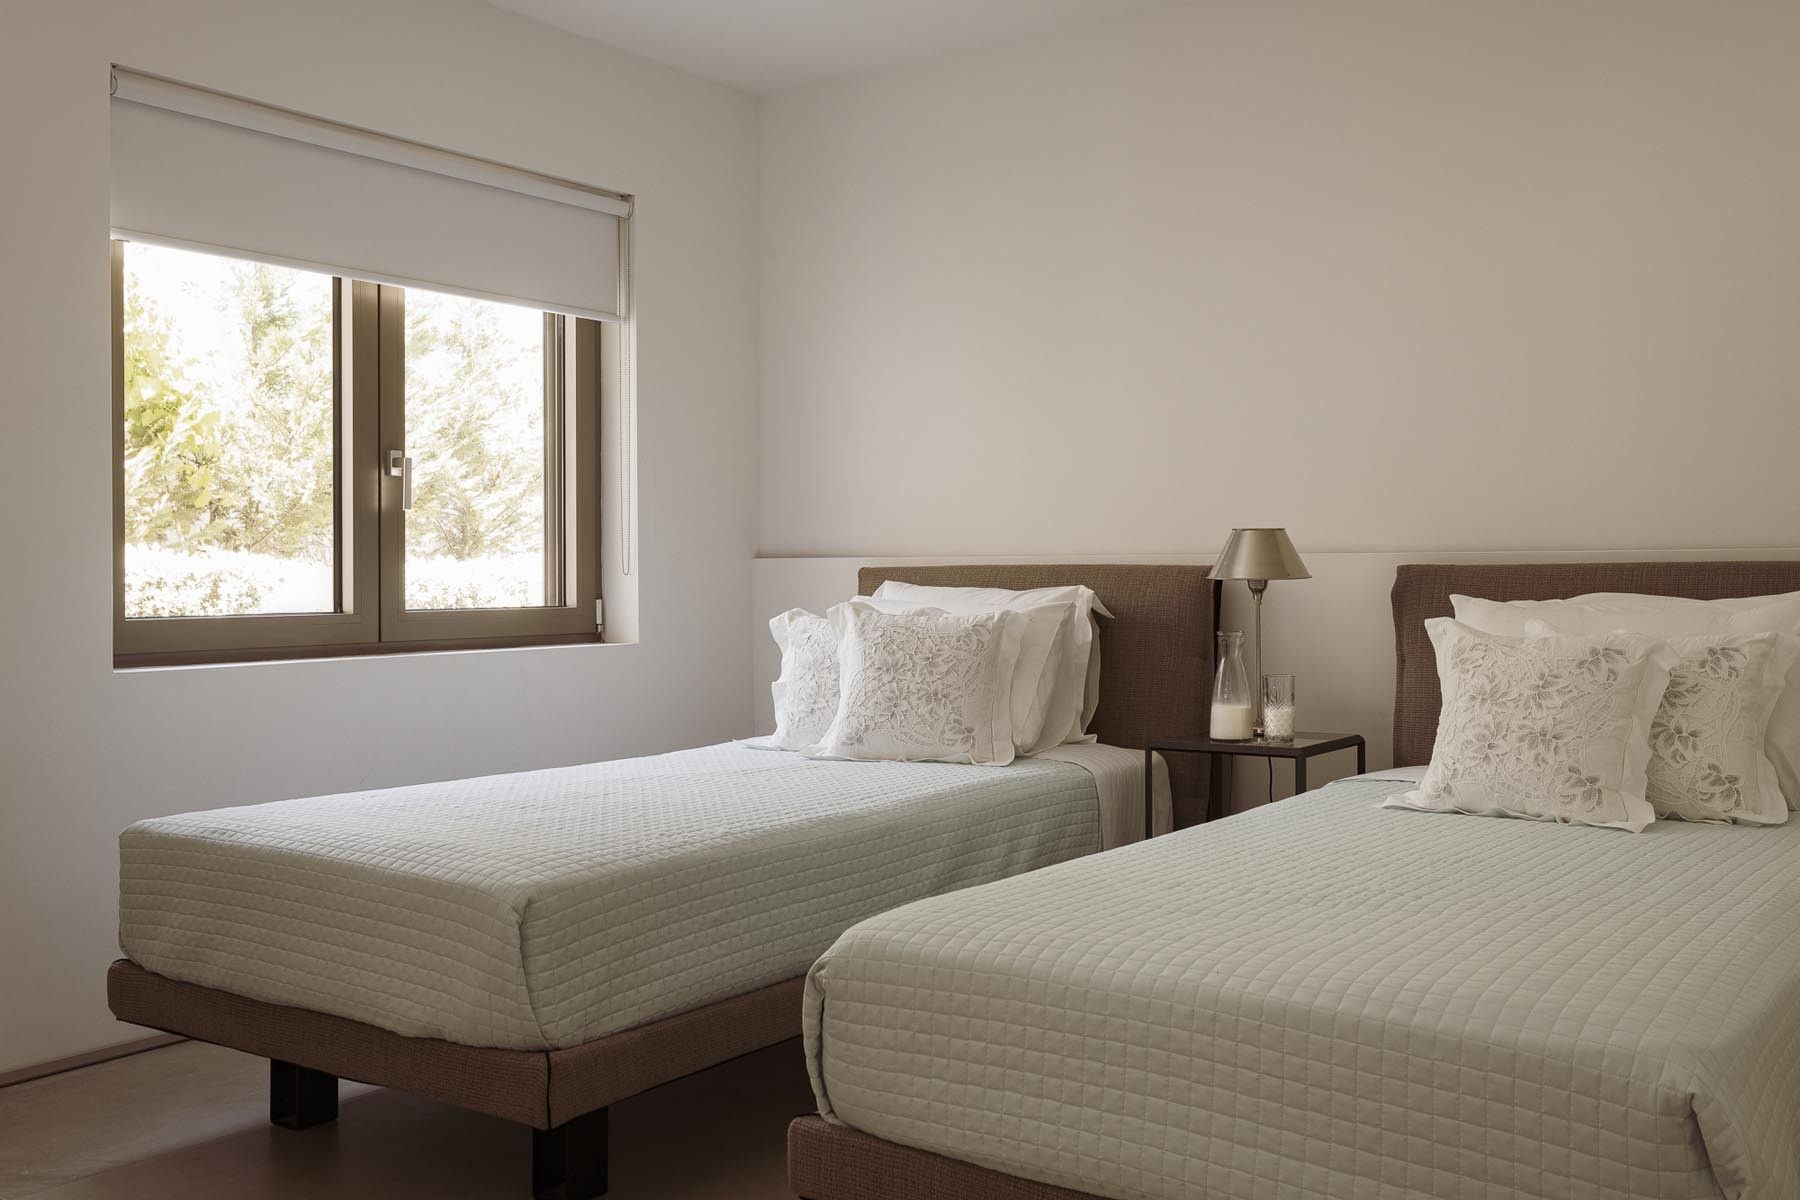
x: 1305, y: 746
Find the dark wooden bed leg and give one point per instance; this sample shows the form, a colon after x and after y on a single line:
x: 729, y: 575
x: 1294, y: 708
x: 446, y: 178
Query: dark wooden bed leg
x: 300, y: 1097
x: 569, y: 1162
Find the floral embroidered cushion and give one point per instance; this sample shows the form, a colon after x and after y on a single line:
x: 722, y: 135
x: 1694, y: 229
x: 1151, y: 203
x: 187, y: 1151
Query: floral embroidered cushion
x: 1550, y: 729
x: 1667, y: 617
x: 1708, y: 743
x: 924, y: 685
x: 806, y: 693
x: 1069, y: 692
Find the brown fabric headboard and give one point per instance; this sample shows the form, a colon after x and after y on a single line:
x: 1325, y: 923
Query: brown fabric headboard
x: 1156, y: 654
x: 1423, y: 590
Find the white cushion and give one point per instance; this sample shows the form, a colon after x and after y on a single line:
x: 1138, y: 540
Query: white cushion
x: 1669, y: 616
x: 1651, y: 616
x: 806, y: 692
x: 924, y: 685
x: 1075, y: 693
x: 1706, y: 743
x: 1037, y: 721
x: 1550, y: 729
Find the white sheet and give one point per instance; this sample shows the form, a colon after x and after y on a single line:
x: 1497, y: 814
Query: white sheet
x: 548, y: 908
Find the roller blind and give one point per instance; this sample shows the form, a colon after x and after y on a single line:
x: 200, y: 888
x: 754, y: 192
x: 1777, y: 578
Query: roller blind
x: 198, y: 167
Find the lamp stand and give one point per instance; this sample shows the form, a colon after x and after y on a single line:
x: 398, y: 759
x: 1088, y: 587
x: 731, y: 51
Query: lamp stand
x: 1257, y: 588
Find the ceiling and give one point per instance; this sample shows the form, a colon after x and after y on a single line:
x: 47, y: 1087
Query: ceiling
x: 764, y: 46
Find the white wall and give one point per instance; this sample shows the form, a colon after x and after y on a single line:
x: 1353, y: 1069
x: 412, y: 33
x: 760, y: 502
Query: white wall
x: 1402, y: 275
x: 1419, y: 280
x: 85, y: 750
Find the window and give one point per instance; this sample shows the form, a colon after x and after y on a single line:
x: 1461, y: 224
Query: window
x: 312, y: 464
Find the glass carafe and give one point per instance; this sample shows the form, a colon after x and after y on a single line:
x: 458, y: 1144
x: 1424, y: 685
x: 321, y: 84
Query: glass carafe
x: 1233, y: 718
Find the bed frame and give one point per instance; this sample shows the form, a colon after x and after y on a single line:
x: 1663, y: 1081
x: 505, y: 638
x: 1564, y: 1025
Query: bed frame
x: 835, y: 1162
x: 1156, y: 664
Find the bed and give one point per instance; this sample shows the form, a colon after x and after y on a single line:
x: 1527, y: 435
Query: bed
x: 1321, y: 998
x: 538, y: 946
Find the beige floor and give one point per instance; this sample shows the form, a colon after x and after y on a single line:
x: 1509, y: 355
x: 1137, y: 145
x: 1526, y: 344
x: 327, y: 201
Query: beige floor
x: 190, y: 1121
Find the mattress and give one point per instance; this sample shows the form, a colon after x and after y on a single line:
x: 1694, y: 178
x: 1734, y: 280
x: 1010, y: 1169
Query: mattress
x: 1322, y: 998
x: 545, y: 909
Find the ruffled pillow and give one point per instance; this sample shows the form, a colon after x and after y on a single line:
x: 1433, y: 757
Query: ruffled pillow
x: 806, y: 693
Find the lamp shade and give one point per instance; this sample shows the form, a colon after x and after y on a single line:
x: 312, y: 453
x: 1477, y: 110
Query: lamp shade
x: 1259, y: 554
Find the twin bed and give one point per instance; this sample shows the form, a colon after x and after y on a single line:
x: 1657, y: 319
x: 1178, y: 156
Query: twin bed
x: 538, y: 946
x: 1323, y: 998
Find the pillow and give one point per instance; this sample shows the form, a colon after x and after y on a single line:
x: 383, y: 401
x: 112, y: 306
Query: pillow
x: 1651, y: 616
x: 1550, y: 729
x: 806, y: 692
x: 1037, y: 721
x: 1669, y: 616
x: 1707, y: 760
x: 924, y: 685
x: 1075, y: 693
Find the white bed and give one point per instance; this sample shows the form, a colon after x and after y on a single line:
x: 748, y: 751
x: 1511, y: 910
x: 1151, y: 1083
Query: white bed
x: 549, y: 908
x: 1412, y: 1006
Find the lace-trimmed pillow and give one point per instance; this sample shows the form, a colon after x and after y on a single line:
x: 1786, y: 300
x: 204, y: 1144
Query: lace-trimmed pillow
x: 1550, y: 729
x: 1708, y: 759
x: 806, y: 693
x: 924, y: 686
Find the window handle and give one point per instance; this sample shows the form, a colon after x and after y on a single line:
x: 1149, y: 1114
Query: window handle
x: 399, y: 465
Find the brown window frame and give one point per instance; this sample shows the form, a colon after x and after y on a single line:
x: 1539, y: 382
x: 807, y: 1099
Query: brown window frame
x: 369, y: 568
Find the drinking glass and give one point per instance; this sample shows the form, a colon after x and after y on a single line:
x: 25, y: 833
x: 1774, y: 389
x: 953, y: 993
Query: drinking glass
x: 1278, y: 708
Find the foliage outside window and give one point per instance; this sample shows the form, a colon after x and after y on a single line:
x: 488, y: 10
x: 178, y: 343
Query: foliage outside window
x: 257, y: 405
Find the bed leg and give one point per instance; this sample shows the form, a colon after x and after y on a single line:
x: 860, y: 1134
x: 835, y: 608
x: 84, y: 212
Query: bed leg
x: 300, y: 1097
x: 569, y: 1162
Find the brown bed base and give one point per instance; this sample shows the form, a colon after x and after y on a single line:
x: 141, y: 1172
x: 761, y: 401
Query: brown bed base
x: 835, y: 1162
x: 561, y: 1094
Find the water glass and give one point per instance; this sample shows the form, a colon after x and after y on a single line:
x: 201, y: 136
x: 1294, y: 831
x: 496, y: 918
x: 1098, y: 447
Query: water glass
x: 1278, y: 707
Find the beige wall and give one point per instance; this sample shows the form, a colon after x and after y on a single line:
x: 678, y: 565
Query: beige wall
x: 85, y: 750
x: 1420, y: 279
x: 1415, y: 275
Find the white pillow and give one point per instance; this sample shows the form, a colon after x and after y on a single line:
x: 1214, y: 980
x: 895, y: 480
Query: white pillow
x: 1076, y: 691
x: 806, y: 692
x: 924, y: 686
x: 1550, y: 729
x: 1706, y: 743
x: 1669, y: 616
x: 1037, y: 723
x: 1651, y: 616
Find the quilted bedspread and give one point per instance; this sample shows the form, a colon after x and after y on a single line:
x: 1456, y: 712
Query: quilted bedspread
x: 545, y: 909
x: 1322, y: 998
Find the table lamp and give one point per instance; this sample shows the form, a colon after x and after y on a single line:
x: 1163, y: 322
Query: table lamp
x: 1257, y: 556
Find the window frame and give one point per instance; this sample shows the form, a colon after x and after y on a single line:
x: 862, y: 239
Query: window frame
x: 368, y: 562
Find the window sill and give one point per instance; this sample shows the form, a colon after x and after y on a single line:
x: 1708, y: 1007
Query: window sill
x: 154, y: 660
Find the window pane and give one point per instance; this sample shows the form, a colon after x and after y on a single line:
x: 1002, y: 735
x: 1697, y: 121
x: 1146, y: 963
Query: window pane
x: 229, y: 429
x: 475, y: 535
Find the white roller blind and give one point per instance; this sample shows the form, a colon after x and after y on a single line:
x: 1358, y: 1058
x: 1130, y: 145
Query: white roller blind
x: 197, y: 167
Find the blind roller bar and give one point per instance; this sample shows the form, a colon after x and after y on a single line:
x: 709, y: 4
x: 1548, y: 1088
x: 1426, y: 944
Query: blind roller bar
x: 207, y: 105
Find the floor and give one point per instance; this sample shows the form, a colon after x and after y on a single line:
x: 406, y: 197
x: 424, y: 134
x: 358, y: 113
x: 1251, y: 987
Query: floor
x: 191, y: 1120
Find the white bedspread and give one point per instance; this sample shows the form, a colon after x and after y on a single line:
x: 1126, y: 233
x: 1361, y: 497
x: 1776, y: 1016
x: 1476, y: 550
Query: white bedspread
x: 1326, y: 999
x: 547, y: 908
